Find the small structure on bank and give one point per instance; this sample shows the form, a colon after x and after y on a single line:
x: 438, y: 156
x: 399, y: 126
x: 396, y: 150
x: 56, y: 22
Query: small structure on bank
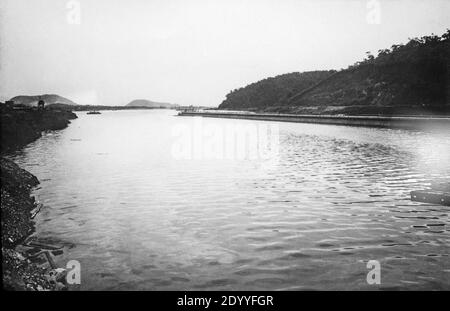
x: 41, y: 104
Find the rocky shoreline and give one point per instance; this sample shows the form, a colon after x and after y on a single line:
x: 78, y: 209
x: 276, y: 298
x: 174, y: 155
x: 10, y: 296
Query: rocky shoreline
x: 22, y: 269
x: 20, y: 127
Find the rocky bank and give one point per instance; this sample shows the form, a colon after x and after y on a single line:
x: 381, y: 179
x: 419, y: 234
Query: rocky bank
x: 22, y: 269
x: 20, y: 127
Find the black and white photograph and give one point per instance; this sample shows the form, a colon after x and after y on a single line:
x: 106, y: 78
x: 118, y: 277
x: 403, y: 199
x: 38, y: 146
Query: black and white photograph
x: 247, y: 146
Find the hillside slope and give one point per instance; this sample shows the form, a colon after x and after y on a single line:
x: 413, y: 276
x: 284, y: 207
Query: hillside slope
x: 272, y: 92
x: 406, y: 79
x: 30, y: 100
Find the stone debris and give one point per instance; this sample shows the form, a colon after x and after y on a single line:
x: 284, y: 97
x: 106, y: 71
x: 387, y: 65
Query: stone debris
x: 28, y: 263
x: 21, y: 273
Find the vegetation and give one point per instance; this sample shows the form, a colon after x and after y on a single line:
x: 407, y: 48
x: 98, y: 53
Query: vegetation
x: 405, y: 79
x: 272, y: 91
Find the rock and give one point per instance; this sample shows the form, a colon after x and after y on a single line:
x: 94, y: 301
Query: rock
x: 51, y: 277
x: 16, y: 203
x: 61, y: 276
x: 60, y: 286
x: 57, y: 252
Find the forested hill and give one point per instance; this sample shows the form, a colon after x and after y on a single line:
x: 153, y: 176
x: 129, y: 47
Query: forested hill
x: 273, y: 91
x: 406, y: 79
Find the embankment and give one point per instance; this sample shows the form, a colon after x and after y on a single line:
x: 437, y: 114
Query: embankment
x: 368, y: 121
x: 20, y: 127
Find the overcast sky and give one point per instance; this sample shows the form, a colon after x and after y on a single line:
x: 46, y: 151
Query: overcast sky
x: 191, y: 52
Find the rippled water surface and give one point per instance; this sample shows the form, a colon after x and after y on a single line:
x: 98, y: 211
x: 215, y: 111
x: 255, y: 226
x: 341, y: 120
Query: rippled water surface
x: 136, y: 217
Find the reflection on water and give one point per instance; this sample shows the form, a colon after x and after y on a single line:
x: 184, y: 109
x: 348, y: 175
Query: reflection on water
x: 137, y: 218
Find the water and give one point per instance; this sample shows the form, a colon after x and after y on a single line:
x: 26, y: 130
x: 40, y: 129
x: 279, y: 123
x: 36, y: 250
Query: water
x: 136, y: 217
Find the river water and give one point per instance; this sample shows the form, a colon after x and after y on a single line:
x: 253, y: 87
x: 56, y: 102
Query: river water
x: 138, y: 213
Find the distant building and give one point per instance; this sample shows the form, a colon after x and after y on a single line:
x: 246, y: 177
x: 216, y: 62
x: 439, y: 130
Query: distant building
x: 41, y: 104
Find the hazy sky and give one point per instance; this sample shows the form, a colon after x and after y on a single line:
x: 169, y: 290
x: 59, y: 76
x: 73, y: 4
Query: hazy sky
x: 191, y: 52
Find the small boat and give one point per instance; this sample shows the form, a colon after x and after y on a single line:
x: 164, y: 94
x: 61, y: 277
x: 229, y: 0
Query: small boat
x: 94, y: 112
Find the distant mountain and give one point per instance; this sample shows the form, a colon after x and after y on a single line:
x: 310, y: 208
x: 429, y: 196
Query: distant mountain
x: 30, y: 100
x: 149, y: 104
x: 413, y: 78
